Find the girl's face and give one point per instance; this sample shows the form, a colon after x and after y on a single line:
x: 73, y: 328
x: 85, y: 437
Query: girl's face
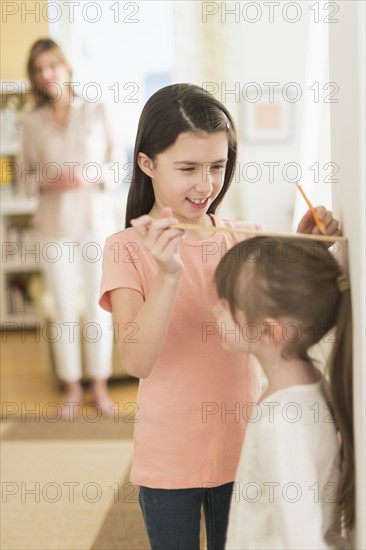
x: 235, y: 335
x: 189, y: 175
x: 258, y: 338
x: 48, y: 69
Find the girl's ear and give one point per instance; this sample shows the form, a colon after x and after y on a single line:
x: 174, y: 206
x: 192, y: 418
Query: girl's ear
x: 272, y: 331
x: 145, y: 164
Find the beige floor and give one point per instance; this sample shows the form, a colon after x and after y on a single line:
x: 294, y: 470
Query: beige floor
x: 27, y: 378
x: 37, y: 510
x: 56, y: 494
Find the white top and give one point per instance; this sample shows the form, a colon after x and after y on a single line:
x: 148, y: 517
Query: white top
x: 285, y: 491
x: 88, y: 142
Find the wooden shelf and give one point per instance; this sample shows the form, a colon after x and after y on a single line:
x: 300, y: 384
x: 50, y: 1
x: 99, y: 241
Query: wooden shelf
x: 14, y: 205
x: 9, y: 149
x: 17, y: 266
x: 29, y: 319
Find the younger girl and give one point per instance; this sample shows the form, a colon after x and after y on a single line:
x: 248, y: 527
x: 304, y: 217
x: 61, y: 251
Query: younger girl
x: 278, y: 298
x: 158, y: 282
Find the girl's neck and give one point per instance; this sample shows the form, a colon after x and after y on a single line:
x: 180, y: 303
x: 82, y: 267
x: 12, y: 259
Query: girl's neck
x: 282, y: 373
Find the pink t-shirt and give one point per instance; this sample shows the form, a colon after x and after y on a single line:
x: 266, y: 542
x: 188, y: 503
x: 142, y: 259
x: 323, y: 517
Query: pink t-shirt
x: 193, y: 408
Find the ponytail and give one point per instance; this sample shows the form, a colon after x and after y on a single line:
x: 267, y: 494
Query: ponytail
x: 340, y: 379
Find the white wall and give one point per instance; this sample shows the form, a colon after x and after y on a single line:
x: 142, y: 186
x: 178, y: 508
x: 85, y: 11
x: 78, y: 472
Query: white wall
x: 218, y: 44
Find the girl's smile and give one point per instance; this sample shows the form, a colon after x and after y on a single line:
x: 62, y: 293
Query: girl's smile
x: 199, y: 203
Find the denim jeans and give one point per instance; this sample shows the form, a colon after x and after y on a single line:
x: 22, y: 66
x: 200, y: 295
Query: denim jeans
x: 172, y: 516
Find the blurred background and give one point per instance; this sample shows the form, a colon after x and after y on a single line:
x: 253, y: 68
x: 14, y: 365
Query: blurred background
x: 292, y: 75
x: 268, y: 62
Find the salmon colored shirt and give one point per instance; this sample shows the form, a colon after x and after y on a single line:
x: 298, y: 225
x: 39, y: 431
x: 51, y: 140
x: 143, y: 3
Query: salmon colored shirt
x: 193, y: 408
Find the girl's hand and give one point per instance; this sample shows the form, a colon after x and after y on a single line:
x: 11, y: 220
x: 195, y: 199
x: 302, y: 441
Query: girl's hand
x: 307, y: 223
x: 161, y: 241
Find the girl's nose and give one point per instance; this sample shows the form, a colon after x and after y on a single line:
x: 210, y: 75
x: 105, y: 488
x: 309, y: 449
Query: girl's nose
x: 205, y: 184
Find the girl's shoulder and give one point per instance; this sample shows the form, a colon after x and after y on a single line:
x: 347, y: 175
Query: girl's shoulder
x: 125, y: 247
x: 296, y: 405
x: 126, y: 239
x: 223, y: 222
x: 233, y: 238
x: 124, y: 236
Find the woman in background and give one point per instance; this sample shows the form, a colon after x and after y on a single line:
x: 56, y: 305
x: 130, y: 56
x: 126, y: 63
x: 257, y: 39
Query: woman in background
x: 67, y: 149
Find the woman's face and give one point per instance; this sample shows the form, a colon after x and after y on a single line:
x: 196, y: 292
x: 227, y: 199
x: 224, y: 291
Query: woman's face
x: 50, y: 74
x: 189, y: 175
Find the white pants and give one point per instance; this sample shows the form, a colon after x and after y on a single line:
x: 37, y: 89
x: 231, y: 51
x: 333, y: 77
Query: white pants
x: 72, y: 270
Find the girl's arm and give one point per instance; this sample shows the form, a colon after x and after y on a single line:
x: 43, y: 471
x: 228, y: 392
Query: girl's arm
x: 146, y: 323
x: 150, y: 318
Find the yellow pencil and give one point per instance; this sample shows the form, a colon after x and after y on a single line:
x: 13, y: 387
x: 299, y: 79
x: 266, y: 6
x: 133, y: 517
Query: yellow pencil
x: 318, y: 222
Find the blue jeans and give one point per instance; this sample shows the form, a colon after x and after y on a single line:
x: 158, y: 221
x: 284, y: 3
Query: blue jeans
x: 172, y: 516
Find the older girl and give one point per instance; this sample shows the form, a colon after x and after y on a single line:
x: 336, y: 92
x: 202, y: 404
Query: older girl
x: 158, y: 282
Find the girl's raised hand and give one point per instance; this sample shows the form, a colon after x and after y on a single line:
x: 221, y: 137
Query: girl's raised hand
x: 161, y: 241
x: 307, y: 223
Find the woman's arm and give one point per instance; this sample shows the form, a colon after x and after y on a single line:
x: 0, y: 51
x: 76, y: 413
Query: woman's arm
x: 114, y: 165
x: 28, y: 173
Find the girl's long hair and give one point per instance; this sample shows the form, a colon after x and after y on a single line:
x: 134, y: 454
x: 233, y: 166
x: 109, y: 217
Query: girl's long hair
x: 40, y: 46
x: 169, y: 112
x: 300, y: 279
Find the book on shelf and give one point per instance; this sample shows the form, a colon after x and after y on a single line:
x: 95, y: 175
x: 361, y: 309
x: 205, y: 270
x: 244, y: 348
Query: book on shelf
x: 23, y: 292
x: 19, y: 240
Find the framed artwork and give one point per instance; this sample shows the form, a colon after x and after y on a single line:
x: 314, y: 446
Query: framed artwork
x: 266, y: 121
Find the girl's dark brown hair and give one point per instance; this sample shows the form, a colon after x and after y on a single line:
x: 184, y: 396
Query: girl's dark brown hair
x: 40, y: 46
x: 169, y: 112
x: 297, y: 278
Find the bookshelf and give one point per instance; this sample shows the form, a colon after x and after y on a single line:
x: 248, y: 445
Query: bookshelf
x: 21, y: 277
x: 21, y: 274
x: 24, y: 301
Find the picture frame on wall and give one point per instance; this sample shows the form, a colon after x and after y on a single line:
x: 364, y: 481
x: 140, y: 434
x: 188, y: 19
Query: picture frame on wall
x: 268, y: 119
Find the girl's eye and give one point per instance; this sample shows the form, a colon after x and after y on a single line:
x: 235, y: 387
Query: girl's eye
x: 210, y: 170
x: 216, y: 168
